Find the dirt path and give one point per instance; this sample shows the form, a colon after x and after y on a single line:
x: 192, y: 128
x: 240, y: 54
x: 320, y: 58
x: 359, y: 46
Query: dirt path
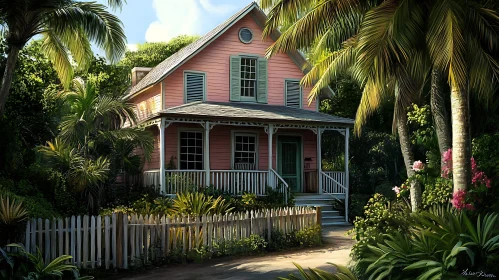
x: 270, y: 266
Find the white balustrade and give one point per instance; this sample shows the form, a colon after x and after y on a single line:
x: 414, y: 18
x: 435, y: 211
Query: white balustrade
x: 333, y: 182
x: 239, y: 181
x: 181, y: 180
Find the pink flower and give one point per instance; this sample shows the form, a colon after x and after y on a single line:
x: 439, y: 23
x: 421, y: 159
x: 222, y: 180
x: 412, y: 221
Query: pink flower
x: 479, y: 177
x: 418, y: 166
x: 447, y: 164
x: 459, y: 201
x: 396, y: 190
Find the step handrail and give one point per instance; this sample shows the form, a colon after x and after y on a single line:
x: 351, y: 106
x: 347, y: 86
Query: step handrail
x: 334, y: 181
x: 286, y: 186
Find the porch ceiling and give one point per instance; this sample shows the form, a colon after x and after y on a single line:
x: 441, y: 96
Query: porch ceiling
x: 251, y: 112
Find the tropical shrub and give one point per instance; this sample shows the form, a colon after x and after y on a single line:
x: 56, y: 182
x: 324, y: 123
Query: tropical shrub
x: 437, y: 193
x: 308, y: 237
x: 199, y: 204
x: 24, y: 265
x: 441, y: 244
x: 13, y: 218
x: 380, y: 216
x: 342, y: 273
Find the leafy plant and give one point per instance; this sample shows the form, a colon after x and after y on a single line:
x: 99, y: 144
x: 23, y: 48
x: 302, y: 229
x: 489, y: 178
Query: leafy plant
x: 13, y: 217
x: 24, y: 265
x: 199, y: 204
x: 343, y: 273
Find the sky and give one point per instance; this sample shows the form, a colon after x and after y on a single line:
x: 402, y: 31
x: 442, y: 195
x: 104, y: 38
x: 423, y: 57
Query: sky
x: 161, y: 20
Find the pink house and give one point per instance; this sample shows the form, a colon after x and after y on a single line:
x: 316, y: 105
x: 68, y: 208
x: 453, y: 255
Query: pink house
x: 224, y: 115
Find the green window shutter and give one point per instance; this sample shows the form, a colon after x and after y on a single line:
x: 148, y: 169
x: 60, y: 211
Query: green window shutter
x: 262, y: 88
x: 194, y: 87
x: 293, y: 94
x: 235, y: 78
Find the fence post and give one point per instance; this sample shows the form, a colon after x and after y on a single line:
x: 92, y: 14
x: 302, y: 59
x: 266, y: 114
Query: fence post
x: 125, y: 241
x: 318, y: 215
x: 269, y: 224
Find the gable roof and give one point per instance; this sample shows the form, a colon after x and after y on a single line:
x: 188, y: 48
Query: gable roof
x: 252, y: 112
x: 166, y: 67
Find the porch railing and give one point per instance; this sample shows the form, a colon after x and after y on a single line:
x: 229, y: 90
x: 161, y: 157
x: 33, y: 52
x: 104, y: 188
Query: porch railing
x: 181, y: 180
x: 151, y: 178
x: 333, y: 182
x: 239, y: 181
x: 275, y: 181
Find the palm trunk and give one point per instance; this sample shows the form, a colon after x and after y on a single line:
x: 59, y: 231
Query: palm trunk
x: 405, y: 146
x: 440, y: 116
x: 8, y: 75
x: 461, y: 141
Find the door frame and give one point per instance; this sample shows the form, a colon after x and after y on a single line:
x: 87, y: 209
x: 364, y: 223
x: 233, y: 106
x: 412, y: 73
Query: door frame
x: 300, y: 160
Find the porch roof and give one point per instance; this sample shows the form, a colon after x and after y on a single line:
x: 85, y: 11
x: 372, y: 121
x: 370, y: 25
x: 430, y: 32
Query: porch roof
x: 252, y: 112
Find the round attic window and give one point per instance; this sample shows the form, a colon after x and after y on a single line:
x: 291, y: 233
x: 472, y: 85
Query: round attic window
x: 245, y: 35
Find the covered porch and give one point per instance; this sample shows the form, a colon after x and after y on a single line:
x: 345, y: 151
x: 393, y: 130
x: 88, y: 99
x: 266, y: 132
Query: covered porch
x: 238, y: 148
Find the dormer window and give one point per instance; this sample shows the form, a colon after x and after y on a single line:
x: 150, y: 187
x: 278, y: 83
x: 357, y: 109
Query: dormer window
x: 248, y: 78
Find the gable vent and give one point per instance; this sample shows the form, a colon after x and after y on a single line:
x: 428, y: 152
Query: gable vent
x: 293, y: 94
x: 245, y: 35
x: 194, y: 87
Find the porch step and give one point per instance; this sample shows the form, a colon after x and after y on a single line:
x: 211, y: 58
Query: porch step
x: 329, y: 216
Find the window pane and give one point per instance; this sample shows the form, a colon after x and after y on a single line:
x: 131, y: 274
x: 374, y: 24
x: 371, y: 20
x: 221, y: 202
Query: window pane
x: 191, y: 150
x: 248, y: 77
x: 245, y: 151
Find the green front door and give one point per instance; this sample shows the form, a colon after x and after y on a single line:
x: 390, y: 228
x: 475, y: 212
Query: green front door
x: 289, y: 159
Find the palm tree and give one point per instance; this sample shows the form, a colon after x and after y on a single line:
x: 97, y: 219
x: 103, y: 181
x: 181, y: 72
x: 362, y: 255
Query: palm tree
x: 456, y: 36
x: 92, y: 143
x: 373, y: 66
x: 67, y: 27
x: 439, y: 113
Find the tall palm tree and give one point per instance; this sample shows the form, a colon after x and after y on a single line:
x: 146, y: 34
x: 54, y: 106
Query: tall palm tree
x: 439, y: 113
x: 67, y: 27
x: 379, y: 68
x: 456, y: 36
x: 92, y: 141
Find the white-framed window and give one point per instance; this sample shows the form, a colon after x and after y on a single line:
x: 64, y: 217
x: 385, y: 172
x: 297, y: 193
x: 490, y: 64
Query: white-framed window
x: 191, y: 150
x: 293, y: 93
x: 248, y: 78
x: 194, y: 86
x: 245, y: 151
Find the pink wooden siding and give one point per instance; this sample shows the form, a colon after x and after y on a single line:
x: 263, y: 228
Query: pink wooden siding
x: 154, y: 162
x: 148, y: 102
x: 214, y: 61
x: 221, y: 145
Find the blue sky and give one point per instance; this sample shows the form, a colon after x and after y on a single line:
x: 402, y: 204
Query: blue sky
x: 161, y: 20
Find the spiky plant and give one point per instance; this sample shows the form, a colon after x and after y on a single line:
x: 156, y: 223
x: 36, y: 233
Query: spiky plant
x: 342, y: 273
x: 13, y: 217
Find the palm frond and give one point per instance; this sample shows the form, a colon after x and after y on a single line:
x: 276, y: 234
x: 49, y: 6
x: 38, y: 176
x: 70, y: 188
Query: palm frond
x: 57, y: 53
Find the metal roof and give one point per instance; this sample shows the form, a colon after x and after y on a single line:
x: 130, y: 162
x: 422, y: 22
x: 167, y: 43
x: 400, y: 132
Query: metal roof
x: 251, y: 111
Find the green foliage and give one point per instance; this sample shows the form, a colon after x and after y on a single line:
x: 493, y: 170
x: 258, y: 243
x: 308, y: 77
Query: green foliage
x: 342, y: 273
x: 155, y: 206
x: 151, y: 54
x: 308, y: 237
x: 245, y: 246
x: 356, y: 205
x: 24, y: 265
x: 442, y: 243
x: 380, y: 216
x: 438, y: 192
x: 13, y: 216
x: 199, y: 204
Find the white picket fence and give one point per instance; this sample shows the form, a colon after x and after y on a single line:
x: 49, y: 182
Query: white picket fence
x: 120, y: 240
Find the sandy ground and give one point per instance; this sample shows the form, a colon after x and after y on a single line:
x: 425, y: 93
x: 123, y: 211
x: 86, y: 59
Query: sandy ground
x: 336, y: 250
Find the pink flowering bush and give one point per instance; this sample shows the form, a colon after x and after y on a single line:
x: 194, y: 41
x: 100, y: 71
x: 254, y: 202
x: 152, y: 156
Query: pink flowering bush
x: 459, y: 201
x: 418, y: 166
x: 480, y: 184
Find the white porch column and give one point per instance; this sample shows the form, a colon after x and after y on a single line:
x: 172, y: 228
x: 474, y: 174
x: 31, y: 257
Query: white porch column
x: 319, y: 159
x: 270, y: 133
x: 162, y: 172
x: 347, y: 183
x: 207, y: 153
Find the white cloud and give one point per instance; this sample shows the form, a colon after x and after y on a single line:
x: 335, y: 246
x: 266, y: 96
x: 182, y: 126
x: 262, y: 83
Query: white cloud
x: 132, y: 47
x: 216, y: 9
x: 189, y: 17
